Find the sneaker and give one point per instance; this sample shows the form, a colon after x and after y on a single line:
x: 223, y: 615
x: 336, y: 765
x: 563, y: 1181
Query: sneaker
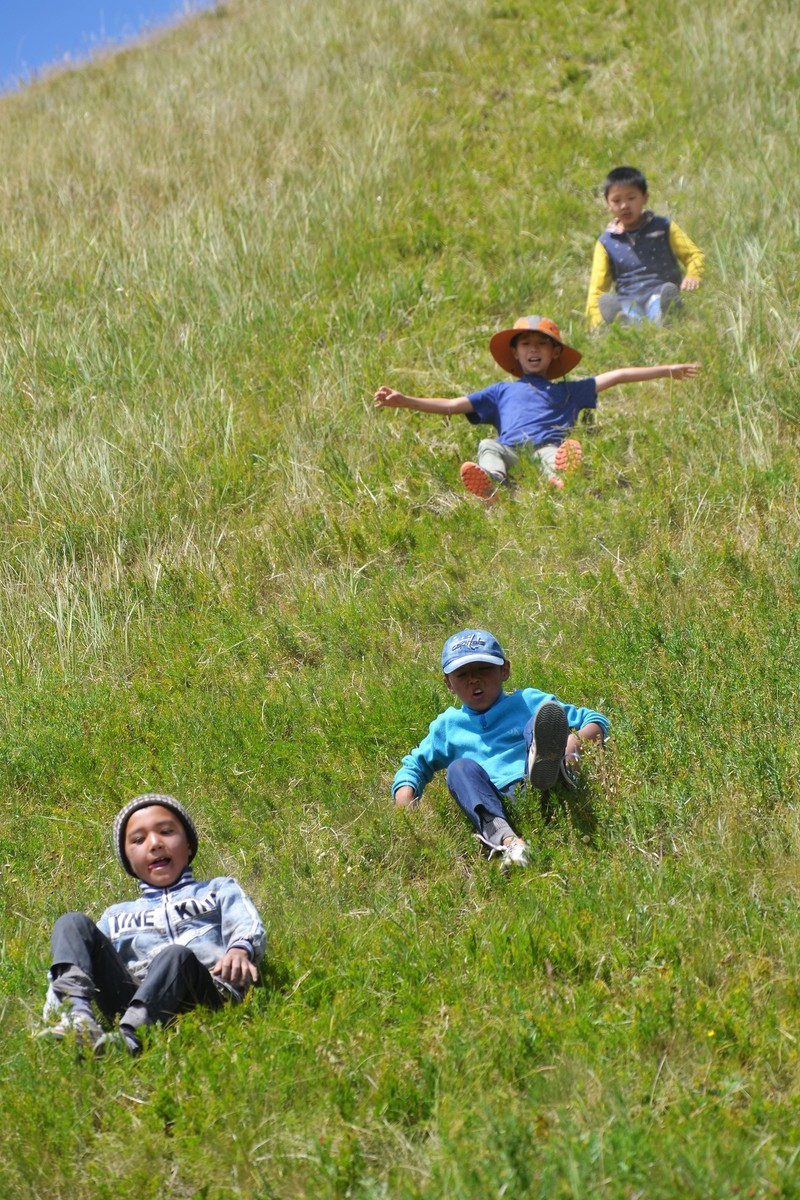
x: 117, y: 1040
x: 568, y: 455
x: 670, y: 295
x: 479, y: 482
x: 513, y: 851
x: 550, y: 733
x: 76, y: 1024
x: 556, y: 481
x: 610, y: 307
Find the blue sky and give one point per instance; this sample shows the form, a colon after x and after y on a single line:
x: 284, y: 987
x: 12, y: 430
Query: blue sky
x: 37, y: 33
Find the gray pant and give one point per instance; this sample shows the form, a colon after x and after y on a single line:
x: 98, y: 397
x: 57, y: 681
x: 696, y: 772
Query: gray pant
x: 498, y: 459
x: 86, y: 965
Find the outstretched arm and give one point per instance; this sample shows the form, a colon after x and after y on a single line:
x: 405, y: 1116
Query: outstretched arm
x: 387, y: 397
x: 611, y: 379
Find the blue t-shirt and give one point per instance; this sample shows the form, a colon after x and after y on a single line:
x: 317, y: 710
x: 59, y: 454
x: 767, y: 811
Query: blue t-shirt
x: 532, y: 409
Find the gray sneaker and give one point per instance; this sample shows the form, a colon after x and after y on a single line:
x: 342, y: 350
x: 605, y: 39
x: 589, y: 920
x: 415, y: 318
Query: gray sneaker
x: 550, y: 733
x: 670, y: 295
x: 610, y: 307
x: 75, y: 1023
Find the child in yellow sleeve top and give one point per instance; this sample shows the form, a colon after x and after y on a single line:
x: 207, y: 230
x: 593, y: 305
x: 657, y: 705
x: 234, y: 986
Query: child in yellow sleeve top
x: 640, y: 256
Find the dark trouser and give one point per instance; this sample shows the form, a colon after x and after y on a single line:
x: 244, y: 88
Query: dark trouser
x: 86, y: 965
x: 472, y: 789
x: 474, y: 792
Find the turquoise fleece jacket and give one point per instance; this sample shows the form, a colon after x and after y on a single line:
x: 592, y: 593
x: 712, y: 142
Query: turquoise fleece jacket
x: 495, y: 739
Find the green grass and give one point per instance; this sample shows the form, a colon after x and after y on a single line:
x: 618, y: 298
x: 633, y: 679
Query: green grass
x: 224, y: 575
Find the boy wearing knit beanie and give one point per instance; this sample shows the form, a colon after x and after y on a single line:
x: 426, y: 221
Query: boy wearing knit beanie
x: 181, y: 944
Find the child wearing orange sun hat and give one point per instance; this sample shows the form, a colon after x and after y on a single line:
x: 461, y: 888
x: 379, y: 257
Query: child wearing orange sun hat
x: 534, y: 412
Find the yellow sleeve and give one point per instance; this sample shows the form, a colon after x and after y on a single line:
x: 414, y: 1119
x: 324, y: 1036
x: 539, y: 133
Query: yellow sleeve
x: 601, y: 280
x: 686, y: 252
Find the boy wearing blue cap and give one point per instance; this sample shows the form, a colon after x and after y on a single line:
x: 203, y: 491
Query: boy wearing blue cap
x: 494, y: 742
x: 533, y: 413
x: 183, y: 942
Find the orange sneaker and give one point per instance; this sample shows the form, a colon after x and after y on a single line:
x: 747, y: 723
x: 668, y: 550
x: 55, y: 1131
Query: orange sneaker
x: 568, y: 455
x: 479, y: 482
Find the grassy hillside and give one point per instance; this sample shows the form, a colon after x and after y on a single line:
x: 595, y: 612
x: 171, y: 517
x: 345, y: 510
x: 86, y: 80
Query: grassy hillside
x: 223, y: 574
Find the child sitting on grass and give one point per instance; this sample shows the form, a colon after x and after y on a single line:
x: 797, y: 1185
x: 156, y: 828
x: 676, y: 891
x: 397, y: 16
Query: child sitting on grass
x: 533, y: 412
x: 639, y: 255
x: 182, y: 943
x: 496, y: 741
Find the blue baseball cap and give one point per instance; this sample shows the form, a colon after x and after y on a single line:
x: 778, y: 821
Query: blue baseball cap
x: 471, y: 645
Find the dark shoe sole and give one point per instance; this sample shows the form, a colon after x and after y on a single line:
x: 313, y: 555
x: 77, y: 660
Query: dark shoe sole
x: 550, y: 733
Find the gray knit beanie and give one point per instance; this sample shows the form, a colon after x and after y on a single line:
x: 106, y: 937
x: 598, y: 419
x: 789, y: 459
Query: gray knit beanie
x: 147, y: 801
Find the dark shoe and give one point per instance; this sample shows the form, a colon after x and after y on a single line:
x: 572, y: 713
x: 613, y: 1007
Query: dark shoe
x: 610, y: 307
x: 550, y: 733
x: 118, y: 1041
x: 670, y: 295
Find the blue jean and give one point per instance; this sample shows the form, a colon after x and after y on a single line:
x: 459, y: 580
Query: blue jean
x: 642, y: 308
x: 471, y: 787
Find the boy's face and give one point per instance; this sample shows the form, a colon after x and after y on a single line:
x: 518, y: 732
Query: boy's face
x: 535, y: 352
x: 627, y: 203
x: 156, y: 845
x: 478, y: 685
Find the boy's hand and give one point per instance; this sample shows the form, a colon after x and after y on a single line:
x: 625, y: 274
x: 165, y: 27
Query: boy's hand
x: 591, y: 735
x: 235, y: 967
x: 573, y: 751
x: 689, y: 284
x: 387, y: 397
x: 404, y: 797
x: 683, y: 370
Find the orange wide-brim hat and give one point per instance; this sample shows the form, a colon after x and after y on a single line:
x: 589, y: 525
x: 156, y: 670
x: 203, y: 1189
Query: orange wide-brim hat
x: 502, y: 352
